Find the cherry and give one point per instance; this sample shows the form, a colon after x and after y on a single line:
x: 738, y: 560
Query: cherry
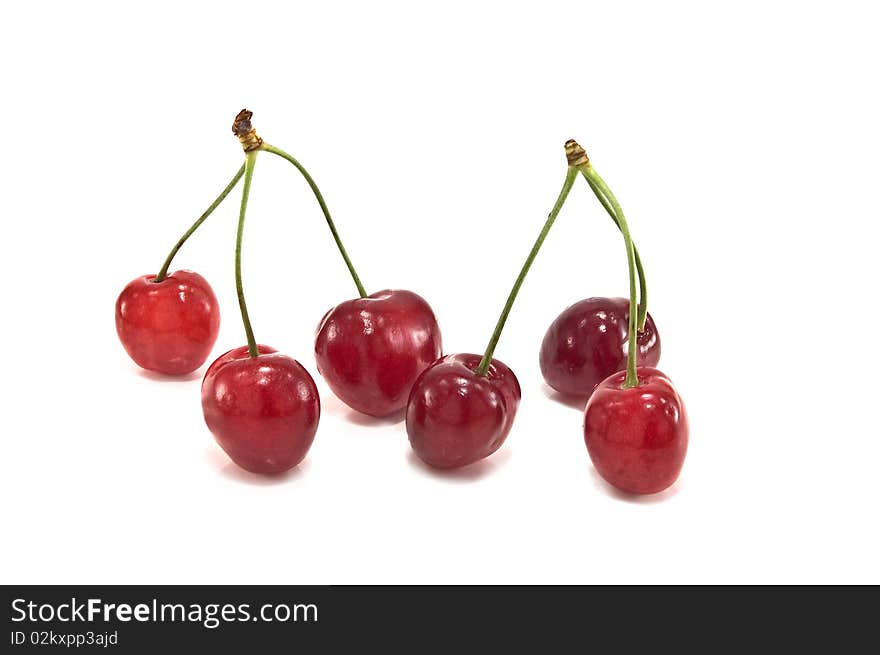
x: 637, y: 437
x: 169, y: 323
x: 455, y: 416
x: 588, y: 342
x: 263, y: 411
x: 168, y: 326
x: 262, y: 407
x: 371, y: 350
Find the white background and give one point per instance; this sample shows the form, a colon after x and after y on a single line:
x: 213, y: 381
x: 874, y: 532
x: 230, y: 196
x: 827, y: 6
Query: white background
x: 742, y: 142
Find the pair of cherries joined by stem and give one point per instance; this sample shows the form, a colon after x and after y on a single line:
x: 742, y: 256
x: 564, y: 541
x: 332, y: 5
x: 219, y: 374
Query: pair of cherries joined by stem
x: 261, y: 406
x: 635, y: 425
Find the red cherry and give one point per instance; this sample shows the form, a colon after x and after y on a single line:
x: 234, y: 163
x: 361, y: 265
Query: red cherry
x: 455, y: 417
x: 263, y: 411
x: 588, y: 342
x: 168, y: 326
x: 371, y: 350
x: 637, y: 437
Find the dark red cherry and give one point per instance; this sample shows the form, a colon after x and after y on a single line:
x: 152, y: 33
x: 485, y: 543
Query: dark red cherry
x: 637, y: 437
x: 170, y: 326
x: 263, y: 411
x: 455, y: 417
x: 588, y: 342
x: 371, y: 350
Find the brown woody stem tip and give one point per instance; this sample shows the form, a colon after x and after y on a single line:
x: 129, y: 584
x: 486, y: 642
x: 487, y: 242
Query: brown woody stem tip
x: 244, y: 130
x: 576, y: 155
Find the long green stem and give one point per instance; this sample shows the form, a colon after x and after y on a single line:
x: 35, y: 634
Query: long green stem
x: 330, y: 224
x: 632, y: 378
x: 643, y: 286
x: 163, y: 272
x: 250, y: 160
x: 570, y: 176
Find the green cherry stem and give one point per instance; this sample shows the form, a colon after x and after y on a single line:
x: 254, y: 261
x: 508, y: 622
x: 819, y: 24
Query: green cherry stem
x: 570, y: 176
x: 163, y: 272
x: 643, y: 286
x: 250, y: 160
x: 354, y: 276
x: 632, y: 378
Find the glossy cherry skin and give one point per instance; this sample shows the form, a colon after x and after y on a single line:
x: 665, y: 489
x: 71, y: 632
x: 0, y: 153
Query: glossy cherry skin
x: 588, y: 342
x: 263, y: 411
x: 455, y: 417
x: 637, y: 437
x: 371, y: 350
x: 168, y: 326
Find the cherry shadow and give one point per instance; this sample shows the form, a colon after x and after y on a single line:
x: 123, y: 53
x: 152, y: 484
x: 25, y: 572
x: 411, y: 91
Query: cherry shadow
x: 230, y: 470
x: 356, y: 417
x: 332, y: 405
x: 633, y: 499
x: 466, y: 474
x: 161, y: 377
x: 574, y: 402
